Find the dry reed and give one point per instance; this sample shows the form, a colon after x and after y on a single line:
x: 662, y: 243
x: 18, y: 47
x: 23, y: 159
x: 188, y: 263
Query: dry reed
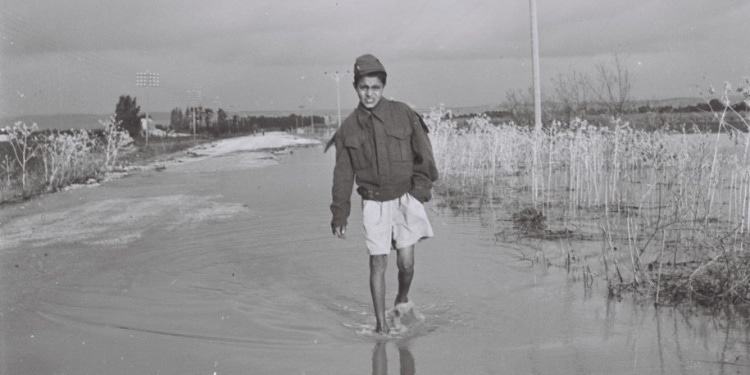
x: 668, y: 198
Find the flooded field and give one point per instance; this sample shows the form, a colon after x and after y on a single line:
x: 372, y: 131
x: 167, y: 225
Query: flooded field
x: 212, y: 267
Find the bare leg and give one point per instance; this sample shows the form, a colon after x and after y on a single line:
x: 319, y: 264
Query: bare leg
x: 405, y: 264
x: 378, y: 264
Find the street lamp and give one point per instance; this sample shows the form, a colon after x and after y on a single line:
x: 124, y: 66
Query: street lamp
x: 337, y: 77
x: 194, y: 96
x: 147, y: 79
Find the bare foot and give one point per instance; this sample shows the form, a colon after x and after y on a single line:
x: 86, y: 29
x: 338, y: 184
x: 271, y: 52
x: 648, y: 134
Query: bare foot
x: 400, y: 300
x: 382, y: 329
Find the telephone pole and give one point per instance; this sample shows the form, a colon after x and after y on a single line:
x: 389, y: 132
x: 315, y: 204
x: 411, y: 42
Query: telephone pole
x: 535, y: 68
x: 312, y: 115
x: 337, y: 77
x: 537, y: 100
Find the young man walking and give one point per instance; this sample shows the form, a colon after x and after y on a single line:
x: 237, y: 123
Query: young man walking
x: 383, y: 146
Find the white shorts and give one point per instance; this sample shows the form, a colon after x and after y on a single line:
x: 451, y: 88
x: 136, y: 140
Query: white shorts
x: 397, y: 223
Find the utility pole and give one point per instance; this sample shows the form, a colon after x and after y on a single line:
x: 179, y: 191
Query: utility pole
x: 337, y: 77
x: 218, y: 105
x: 147, y: 79
x: 312, y: 116
x: 535, y: 68
x: 194, y: 96
x: 537, y: 101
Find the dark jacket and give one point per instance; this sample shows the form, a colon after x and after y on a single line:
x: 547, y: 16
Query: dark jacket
x: 387, y: 152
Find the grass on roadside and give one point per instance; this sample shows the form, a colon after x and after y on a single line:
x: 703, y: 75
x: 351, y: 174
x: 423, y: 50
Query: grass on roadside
x: 35, y: 162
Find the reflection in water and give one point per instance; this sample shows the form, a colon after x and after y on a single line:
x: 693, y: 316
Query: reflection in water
x: 380, y: 359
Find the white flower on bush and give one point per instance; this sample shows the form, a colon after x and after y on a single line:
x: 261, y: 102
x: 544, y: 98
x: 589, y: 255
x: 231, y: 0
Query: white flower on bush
x: 115, y: 138
x: 24, y: 146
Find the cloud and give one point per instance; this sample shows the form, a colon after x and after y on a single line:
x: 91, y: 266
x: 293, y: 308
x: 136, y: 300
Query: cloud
x: 257, y: 50
x: 592, y: 27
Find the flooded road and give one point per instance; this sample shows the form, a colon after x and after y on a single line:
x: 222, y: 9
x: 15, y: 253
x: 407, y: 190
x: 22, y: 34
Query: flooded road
x: 212, y: 268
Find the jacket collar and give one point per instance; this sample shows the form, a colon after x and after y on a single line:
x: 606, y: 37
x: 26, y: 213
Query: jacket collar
x: 378, y: 112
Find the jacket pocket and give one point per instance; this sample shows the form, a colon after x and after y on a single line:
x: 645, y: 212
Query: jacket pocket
x: 358, y: 152
x: 399, y: 143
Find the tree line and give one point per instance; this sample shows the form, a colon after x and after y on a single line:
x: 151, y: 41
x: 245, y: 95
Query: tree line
x: 713, y: 105
x: 207, y: 121
x: 223, y: 124
x: 605, y: 92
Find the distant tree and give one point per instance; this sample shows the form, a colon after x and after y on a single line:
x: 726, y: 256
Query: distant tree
x: 703, y: 107
x: 236, y: 123
x: 491, y: 114
x: 126, y: 113
x: 222, y: 123
x: 198, y: 113
x: 572, y: 93
x: 207, y: 114
x: 716, y: 105
x: 187, y: 119
x: 520, y: 105
x: 612, y: 85
x: 177, y: 120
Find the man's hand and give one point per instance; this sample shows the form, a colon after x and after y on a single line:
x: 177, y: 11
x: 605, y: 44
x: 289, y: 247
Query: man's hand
x: 339, y: 232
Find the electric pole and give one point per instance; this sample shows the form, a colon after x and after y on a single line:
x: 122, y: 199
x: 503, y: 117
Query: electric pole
x: 535, y: 68
x: 337, y: 77
x: 312, y: 116
x: 537, y: 100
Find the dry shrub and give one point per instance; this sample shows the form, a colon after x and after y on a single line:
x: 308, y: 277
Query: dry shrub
x: 115, y: 139
x: 52, y: 160
x: 70, y: 158
x: 24, y: 148
x: 717, y: 283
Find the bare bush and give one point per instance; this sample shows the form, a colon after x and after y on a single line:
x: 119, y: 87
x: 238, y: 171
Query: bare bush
x: 572, y: 93
x: 70, y: 158
x: 612, y: 85
x: 115, y: 138
x: 24, y: 146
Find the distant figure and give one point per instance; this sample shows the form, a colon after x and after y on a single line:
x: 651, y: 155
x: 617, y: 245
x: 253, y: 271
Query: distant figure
x: 144, y: 126
x: 383, y: 146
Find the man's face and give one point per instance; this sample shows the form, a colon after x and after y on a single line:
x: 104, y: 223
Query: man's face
x: 369, y: 90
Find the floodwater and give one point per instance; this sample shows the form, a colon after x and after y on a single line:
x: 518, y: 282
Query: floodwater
x: 213, y: 268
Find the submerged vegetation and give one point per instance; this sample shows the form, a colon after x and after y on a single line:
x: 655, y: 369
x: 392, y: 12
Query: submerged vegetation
x: 670, y: 207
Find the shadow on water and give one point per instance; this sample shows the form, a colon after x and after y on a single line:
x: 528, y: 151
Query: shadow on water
x: 406, y: 362
x: 407, y: 365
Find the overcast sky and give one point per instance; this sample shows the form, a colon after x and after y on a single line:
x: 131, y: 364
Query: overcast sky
x: 79, y: 56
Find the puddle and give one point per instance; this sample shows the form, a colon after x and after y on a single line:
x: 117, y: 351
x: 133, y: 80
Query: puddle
x: 234, y: 270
